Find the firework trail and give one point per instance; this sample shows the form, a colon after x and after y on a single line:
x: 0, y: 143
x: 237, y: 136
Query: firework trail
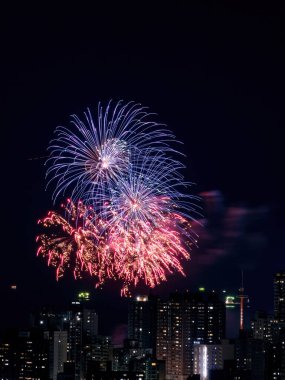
x: 81, y: 242
x: 93, y: 153
x: 149, y: 223
x: 154, y: 189
x: 131, y: 211
x: 149, y: 258
x: 74, y: 241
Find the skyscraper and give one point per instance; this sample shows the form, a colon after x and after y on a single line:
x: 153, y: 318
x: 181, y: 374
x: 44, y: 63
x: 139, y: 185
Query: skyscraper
x: 58, y: 353
x: 142, y: 317
x: 170, y: 335
x: 211, y: 357
x: 81, y: 323
x: 279, y: 296
x: 185, y: 320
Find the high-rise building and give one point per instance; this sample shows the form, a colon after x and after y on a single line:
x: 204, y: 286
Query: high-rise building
x: 152, y: 368
x: 209, y: 357
x: 7, y: 360
x: 185, y: 320
x: 102, y: 351
x: 267, y: 348
x: 260, y: 326
x: 142, y: 318
x: 58, y: 353
x: 24, y: 355
x: 279, y: 296
x: 89, y: 324
x: 123, y: 357
x: 32, y: 355
x: 81, y: 323
x: 60, y: 344
x: 243, y: 350
x: 175, y: 330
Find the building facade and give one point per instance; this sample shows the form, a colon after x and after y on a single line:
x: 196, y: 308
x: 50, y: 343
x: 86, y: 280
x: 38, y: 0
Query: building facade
x: 186, y: 320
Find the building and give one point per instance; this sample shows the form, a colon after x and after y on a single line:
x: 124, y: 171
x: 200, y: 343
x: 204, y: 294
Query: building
x: 59, y: 345
x: 102, y: 351
x: 183, y: 321
x: 81, y: 323
x: 268, y: 336
x: 111, y: 375
x: 123, y: 357
x: 152, y: 368
x: 279, y: 297
x: 171, y: 329
x: 24, y: 355
x: 206, y: 358
x: 7, y: 360
x: 211, y: 357
x: 142, y: 321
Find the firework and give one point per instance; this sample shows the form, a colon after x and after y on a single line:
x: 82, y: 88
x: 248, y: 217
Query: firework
x: 149, y: 224
x: 148, y: 194
x: 149, y: 257
x: 131, y: 211
x: 74, y: 241
x: 94, y: 153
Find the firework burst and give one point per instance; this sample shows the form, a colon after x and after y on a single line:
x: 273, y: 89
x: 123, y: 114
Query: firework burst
x: 149, y: 224
x: 148, y: 195
x: 74, y: 241
x: 131, y: 211
x: 94, y: 153
x: 149, y: 256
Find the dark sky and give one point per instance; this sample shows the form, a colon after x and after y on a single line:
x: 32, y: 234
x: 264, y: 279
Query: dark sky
x: 212, y: 71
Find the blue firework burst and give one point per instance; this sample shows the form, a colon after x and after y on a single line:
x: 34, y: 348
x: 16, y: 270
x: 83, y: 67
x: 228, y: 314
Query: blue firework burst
x: 93, y: 153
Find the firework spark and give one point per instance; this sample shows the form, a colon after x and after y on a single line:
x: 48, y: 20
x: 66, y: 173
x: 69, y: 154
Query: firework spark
x: 149, y: 224
x: 146, y: 251
x: 91, y: 155
x: 149, y: 257
x: 74, y: 241
x: 148, y: 195
x: 133, y: 220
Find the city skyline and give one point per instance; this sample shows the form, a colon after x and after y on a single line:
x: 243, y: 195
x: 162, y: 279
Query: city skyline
x: 115, y: 318
x: 177, y: 337
x: 213, y: 73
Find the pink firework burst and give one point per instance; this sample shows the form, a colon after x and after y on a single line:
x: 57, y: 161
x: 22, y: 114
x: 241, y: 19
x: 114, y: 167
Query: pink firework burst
x: 134, y: 224
x: 74, y: 241
x: 148, y: 252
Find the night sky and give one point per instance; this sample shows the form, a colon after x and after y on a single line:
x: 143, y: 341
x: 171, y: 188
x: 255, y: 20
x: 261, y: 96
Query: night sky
x: 212, y: 71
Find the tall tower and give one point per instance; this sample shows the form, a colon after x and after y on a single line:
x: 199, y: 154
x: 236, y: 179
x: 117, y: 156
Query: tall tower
x: 279, y: 296
x: 81, y: 322
x: 142, y: 317
x: 242, y: 297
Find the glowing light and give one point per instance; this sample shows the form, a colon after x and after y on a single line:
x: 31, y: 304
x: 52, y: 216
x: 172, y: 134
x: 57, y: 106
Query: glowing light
x: 84, y: 295
x: 74, y: 242
x: 205, y: 363
x: 94, y: 152
x: 149, y: 229
x: 230, y: 300
x: 128, y: 218
x: 142, y: 298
